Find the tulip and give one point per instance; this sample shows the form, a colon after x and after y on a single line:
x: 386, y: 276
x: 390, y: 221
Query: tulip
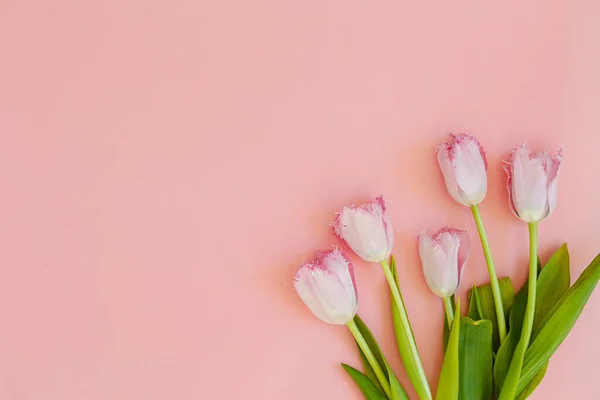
x: 464, y: 166
x: 367, y: 229
x: 443, y: 256
x: 532, y: 183
x: 328, y: 288
x: 532, y: 189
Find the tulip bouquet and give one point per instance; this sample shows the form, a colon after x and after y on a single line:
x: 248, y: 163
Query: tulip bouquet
x: 500, y: 349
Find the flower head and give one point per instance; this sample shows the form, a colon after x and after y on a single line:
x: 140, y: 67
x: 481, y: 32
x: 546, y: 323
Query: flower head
x: 532, y: 183
x: 328, y: 288
x: 464, y: 166
x: 367, y: 229
x: 443, y: 256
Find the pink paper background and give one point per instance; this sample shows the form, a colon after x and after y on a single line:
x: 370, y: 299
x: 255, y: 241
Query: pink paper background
x: 165, y: 167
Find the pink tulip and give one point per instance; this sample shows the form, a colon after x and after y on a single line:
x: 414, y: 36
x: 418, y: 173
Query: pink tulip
x: 532, y: 183
x: 367, y: 229
x: 464, y: 166
x: 328, y: 288
x: 443, y: 256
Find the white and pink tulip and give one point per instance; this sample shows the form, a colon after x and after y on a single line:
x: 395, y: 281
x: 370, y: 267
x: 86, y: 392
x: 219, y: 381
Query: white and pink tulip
x: 328, y: 288
x: 464, y: 166
x: 443, y: 256
x: 532, y: 183
x: 367, y: 229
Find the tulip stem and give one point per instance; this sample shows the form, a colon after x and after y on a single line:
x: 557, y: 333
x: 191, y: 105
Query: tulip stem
x: 509, y: 389
x: 425, y: 392
x: 449, y: 310
x: 362, y: 343
x: 492, y: 272
x: 531, y: 289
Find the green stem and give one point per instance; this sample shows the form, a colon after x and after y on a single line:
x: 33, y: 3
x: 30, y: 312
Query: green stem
x: 509, y: 388
x: 492, y: 272
x: 449, y: 310
x: 414, y: 352
x: 370, y: 356
x: 531, y: 289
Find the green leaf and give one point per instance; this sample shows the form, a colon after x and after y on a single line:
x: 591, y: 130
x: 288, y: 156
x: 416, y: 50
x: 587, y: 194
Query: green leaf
x: 369, y: 370
x: 371, y: 342
x: 449, y: 376
x: 553, y: 282
x: 397, y: 390
x: 402, y: 338
x: 376, y: 350
x: 558, y: 323
x: 506, y: 350
x: 475, y: 359
x: 364, y: 384
x: 485, y: 305
x: 475, y: 312
x: 533, y: 384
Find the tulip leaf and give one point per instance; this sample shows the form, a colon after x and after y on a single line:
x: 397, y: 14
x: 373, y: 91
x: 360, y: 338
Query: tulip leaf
x: 449, y: 376
x: 371, y: 342
x: 404, y: 337
x: 376, y: 350
x: 369, y: 372
x: 553, y: 282
x: 533, y: 384
x: 475, y: 359
x: 558, y: 323
x: 397, y: 391
x: 475, y: 312
x: 486, y: 308
x: 364, y: 384
x: 507, y: 348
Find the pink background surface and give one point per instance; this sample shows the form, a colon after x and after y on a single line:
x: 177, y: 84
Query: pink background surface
x: 165, y: 167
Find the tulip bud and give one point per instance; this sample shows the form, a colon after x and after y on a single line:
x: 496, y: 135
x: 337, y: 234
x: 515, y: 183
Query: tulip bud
x: 367, y: 229
x: 532, y: 183
x: 328, y: 288
x: 443, y: 256
x: 464, y: 166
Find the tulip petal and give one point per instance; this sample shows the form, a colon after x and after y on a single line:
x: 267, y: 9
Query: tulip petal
x: 529, y: 186
x: 553, y: 169
x: 340, y: 265
x: 450, y: 243
x: 459, y: 247
x: 507, y: 168
x: 309, y: 281
x: 448, y: 173
x: 470, y: 170
x: 387, y: 222
x: 463, y: 251
x: 552, y: 195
